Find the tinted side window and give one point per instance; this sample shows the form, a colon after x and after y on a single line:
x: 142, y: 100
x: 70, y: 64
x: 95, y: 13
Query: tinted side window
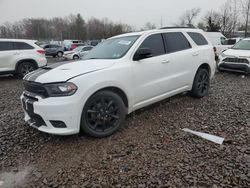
x: 87, y: 48
x: 176, y: 42
x: 198, y: 38
x: 154, y: 43
x: 5, y: 46
x: 23, y: 46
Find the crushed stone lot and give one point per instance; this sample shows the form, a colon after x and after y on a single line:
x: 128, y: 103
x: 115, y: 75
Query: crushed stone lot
x: 150, y: 151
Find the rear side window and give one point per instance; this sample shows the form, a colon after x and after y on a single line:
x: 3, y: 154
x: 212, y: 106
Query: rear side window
x: 175, y: 42
x: 198, y: 38
x: 154, y: 43
x: 6, y: 46
x: 23, y: 46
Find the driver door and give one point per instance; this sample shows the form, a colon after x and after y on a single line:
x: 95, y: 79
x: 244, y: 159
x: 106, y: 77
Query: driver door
x: 151, y: 74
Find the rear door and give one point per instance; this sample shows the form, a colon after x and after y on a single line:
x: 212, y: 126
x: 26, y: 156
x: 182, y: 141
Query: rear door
x: 182, y: 60
x: 8, y: 56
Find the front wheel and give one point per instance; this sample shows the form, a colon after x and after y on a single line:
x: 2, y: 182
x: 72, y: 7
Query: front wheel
x: 75, y: 57
x: 201, y: 83
x: 103, y: 114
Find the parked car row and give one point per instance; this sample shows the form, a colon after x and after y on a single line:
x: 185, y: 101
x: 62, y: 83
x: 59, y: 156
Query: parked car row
x: 115, y: 78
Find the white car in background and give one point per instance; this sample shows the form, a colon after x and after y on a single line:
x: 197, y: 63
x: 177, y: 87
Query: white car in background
x: 77, y: 53
x: 20, y: 57
x: 218, y: 41
x: 237, y: 58
x: 120, y: 75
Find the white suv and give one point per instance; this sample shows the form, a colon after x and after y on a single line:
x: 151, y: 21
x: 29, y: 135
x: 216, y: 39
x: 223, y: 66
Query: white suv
x: 119, y: 76
x: 20, y: 56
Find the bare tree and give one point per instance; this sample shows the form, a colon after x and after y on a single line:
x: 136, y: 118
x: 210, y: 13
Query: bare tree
x: 188, y: 17
x: 148, y: 26
x: 212, y: 21
x: 229, y: 17
x: 70, y: 27
x: 246, y: 13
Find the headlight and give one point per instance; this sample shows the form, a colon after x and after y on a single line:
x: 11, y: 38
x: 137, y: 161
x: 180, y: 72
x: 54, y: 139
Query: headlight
x: 61, y: 89
x: 222, y: 55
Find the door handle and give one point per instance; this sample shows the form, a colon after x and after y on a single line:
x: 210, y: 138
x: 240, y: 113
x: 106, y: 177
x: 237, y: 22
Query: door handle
x: 165, y: 61
x: 196, y: 54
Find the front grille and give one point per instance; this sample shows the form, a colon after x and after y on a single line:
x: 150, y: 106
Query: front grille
x: 35, y: 88
x: 236, y: 60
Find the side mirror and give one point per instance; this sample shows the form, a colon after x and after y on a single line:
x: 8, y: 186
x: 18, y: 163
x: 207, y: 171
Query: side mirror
x: 143, y: 53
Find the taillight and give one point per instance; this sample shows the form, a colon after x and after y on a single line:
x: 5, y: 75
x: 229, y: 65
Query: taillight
x: 41, y: 51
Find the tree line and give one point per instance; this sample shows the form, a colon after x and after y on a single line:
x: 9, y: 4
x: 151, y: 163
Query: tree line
x: 232, y: 16
x: 70, y: 27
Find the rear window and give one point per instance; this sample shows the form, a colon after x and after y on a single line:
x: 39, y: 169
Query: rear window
x: 175, y: 42
x: 6, y: 46
x: 198, y: 38
x: 23, y: 46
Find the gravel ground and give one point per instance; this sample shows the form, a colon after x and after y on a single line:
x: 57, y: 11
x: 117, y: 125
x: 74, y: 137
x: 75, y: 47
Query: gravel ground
x: 150, y: 151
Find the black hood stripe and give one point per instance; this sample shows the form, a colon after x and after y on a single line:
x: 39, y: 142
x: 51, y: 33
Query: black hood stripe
x: 34, y: 75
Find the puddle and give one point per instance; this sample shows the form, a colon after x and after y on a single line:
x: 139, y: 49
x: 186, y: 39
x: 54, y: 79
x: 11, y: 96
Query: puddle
x: 13, y: 179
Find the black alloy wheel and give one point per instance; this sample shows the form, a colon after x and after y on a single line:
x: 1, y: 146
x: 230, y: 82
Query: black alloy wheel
x: 25, y: 68
x: 201, y: 83
x: 103, y: 114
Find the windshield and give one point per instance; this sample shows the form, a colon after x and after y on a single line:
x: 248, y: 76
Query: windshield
x: 78, y: 49
x: 114, y: 48
x: 242, y: 45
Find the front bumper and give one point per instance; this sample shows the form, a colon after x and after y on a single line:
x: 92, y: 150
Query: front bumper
x: 69, y: 56
x: 41, y: 113
x: 234, y: 67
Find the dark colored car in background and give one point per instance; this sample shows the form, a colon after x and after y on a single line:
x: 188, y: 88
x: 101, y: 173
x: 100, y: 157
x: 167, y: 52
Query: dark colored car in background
x: 53, y: 50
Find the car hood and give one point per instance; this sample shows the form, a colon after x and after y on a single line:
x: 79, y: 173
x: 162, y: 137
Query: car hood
x: 237, y: 53
x: 62, y: 72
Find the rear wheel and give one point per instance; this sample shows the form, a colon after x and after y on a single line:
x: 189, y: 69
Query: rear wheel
x: 103, y: 114
x: 25, y: 68
x: 59, y: 54
x: 201, y: 83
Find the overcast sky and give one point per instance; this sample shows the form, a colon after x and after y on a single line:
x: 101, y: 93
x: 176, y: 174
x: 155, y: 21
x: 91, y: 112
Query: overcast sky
x: 132, y: 12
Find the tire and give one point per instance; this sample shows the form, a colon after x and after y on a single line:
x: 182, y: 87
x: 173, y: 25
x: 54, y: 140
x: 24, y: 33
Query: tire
x: 25, y: 68
x: 75, y: 57
x: 59, y: 54
x: 103, y: 114
x: 201, y: 83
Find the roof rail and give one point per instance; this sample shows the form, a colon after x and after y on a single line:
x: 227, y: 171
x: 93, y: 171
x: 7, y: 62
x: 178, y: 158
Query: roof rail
x: 178, y: 28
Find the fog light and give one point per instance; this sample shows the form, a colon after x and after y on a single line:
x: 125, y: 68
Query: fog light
x: 58, y: 124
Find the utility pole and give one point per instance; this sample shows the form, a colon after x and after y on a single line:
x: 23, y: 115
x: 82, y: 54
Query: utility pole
x: 161, y: 22
x: 247, y: 18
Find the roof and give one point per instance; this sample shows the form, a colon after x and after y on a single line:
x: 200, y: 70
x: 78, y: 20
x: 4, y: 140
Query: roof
x: 158, y: 30
x: 18, y: 40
